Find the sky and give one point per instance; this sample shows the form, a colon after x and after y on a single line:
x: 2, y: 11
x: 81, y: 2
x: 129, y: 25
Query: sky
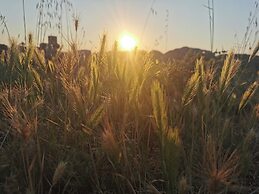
x: 157, y: 24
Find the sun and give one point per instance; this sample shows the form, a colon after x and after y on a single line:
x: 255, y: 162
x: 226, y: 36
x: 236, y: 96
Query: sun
x: 127, y: 42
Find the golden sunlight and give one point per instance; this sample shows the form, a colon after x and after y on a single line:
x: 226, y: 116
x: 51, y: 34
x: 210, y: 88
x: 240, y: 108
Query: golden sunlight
x: 127, y: 42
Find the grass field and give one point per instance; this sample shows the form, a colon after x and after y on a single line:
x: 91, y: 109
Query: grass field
x: 125, y: 123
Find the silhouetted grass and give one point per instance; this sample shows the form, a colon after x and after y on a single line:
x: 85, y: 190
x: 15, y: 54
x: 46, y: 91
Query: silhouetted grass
x: 124, y: 123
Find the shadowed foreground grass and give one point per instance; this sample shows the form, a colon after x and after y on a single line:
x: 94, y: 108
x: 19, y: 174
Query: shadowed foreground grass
x: 125, y: 123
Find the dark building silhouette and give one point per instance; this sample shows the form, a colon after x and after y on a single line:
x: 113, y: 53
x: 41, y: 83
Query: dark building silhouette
x: 53, y: 41
x: 50, y: 49
x: 84, y: 54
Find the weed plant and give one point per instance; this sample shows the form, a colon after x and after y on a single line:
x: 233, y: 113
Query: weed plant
x: 124, y: 123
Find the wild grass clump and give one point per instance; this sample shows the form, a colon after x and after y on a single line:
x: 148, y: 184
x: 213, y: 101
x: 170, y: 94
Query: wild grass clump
x: 125, y: 123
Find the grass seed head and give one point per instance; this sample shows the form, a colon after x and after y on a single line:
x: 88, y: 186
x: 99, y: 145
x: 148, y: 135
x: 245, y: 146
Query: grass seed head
x: 59, y: 172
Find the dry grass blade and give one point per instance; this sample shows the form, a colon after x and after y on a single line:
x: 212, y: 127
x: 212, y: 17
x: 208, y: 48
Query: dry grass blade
x: 191, y: 89
x: 152, y: 189
x: 249, y: 93
x: 59, y: 172
x: 131, y: 188
x: 97, y: 115
x: 110, y: 143
x: 221, y: 167
x: 256, y: 49
x: 195, y: 84
x: 159, y: 106
x: 229, y: 70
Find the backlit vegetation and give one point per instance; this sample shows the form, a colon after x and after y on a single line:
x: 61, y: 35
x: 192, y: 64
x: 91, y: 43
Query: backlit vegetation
x: 125, y: 123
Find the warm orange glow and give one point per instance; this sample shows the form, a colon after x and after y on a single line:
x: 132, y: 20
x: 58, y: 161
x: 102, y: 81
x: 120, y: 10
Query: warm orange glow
x: 127, y: 42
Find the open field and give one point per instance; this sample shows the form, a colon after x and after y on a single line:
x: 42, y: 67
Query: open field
x: 124, y: 117
x: 126, y: 123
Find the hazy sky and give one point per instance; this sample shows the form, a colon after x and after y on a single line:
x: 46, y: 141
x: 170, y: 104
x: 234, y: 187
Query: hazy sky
x: 187, y: 21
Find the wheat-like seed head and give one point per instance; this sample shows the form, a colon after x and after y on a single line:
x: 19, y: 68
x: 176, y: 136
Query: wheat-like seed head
x: 59, y: 172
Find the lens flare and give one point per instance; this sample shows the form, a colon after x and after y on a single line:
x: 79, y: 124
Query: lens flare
x: 127, y: 42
